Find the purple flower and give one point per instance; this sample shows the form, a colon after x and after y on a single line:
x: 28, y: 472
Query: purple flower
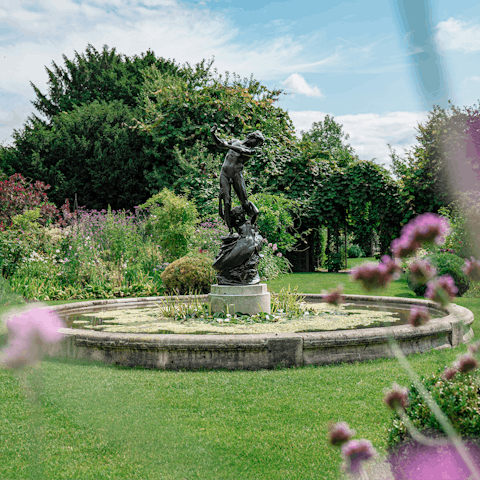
x: 466, y: 363
x: 279, y: 254
x: 356, y: 452
x: 449, y: 373
x: 29, y: 333
x: 274, y: 247
x: 421, y: 271
x: 403, y: 247
x: 418, y: 316
x: 334, y: 297
x: 270, y: 245
x: 427, y: 228
x: 390, y: 266
x: 340, y: 433
x: 472, y: 269
x: 396, y: 397
x: 371, y: 275
x: 441, y: 290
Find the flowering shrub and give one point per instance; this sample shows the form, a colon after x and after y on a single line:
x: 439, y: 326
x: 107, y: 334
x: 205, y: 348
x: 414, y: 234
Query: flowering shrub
x: 18, y: 196
x: 208, y: 237
x: 444, y: 264
x: 190, y: 274
x: 273, y: 263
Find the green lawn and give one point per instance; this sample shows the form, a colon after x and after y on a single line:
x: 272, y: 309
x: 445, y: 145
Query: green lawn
x: 99, y: 422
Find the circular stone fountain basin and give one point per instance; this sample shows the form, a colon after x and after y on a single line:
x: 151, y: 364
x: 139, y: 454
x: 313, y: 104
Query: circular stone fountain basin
x: 259, y: 350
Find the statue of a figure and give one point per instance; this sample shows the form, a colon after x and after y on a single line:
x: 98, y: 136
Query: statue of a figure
x: 240, y: 251
x: 239, y: 254
x: 231, y: 174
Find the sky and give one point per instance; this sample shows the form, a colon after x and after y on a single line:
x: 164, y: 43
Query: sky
x: 349, y: 59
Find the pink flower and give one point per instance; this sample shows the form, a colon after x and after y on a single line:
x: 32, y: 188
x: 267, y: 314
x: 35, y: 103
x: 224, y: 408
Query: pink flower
x: 371, y: 275
x: 274, y: 247
x: 427, y: 228
x: 421, y: 271
x: 441, y: 290
x: 396, y: 397
x: 390, y: 266
x: 279, y: 254
x: 403, y: 247
x: 356, y: 452
x: 334, y: 297
x: 418, y: 316
x: 340, y: 433
x: 270, y: 245
x: 29, y: 333
x: 472, y: 269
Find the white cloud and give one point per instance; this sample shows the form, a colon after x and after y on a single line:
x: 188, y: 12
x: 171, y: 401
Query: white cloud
x: 297, y: 84
x: 370, y: 132
x: 171, y: 29
x: 459, y: 36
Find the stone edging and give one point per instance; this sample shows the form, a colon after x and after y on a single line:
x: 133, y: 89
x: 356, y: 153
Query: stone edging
x: 257, y: 351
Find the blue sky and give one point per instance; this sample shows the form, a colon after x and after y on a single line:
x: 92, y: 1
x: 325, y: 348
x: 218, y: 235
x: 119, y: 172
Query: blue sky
x: 348, y: 59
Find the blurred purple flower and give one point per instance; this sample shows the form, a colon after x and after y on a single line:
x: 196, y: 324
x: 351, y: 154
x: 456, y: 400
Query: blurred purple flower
x: 472, y: 269
x: 279, y: 254
x: 418, y: 316
x: 403, y: 247
x: 427, y: 228
x: 340, y: 433
x: 356, y: 452
x: 28, y: 334
x: 466, y: 363
x: 274, y: 247
x: 270, y: 245
x: 371, y: 275
x: 390, y: 266
x: 397, y: 396
x: 334, y: 297
x: 449, y: 373
x: 441, y: 290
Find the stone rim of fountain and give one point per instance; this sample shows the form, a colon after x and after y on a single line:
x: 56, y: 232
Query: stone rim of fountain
x: 259, y: 351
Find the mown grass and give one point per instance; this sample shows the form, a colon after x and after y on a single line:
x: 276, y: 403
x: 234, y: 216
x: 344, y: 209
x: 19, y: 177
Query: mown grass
x: 99, y: 422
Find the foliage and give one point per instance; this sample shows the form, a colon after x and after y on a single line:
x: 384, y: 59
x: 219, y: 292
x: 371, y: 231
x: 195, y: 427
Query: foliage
x: 18, y: 196
x: 171, y: 222
x: 180, y: 111
x: 457, y: 398
x: 272, y: 263
x: 189, y: 274
x: 88, y: 151
x: 276, y: 219
x: 355, y: 251
x: 443, y: 141
x: 105, y: 76
x: 446, y: 264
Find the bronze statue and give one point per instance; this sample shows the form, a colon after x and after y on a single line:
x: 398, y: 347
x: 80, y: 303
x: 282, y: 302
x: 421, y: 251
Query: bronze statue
x: 240, y: 251
x: 231, y: 174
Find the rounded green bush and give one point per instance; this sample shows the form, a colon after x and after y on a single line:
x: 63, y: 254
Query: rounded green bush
x: 355, y: 251
x: 446, y: 264
x: 188, y: 275
x: 458, y: 399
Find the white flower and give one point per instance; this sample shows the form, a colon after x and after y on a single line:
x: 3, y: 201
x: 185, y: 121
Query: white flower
x: 227, y: 320
x: 220, y: 320
x: 58, y: 251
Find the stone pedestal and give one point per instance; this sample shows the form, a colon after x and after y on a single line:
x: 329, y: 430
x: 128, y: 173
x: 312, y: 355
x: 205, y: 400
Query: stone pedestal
x: 247, y: 299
